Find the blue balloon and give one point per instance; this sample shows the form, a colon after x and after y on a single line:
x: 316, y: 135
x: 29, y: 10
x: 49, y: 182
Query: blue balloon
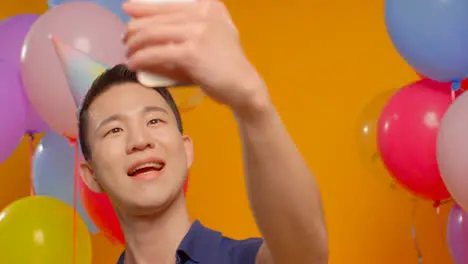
x: 53, y: 173
x: 113, y: 5
x: 431, y: 35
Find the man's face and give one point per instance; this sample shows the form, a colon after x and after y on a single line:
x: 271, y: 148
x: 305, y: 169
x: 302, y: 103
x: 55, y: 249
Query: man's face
x: 138, y: 155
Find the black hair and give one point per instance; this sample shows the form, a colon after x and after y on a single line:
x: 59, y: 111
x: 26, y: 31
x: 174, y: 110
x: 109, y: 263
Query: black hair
x: 117, y: 75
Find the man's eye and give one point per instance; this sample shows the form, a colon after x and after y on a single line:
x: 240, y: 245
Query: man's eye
x: 114, y: 130
x: 155, y: 121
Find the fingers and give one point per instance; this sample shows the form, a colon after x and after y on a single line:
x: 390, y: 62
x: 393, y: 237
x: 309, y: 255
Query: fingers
x: 139, y: 24
x: 166, y: 57
x: 180, y: 15
x: 139, y: 9
x: 158, y: 35
x: 162, y: 60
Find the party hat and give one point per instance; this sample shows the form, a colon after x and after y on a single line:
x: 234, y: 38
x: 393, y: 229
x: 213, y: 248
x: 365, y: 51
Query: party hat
x: 79, y: 68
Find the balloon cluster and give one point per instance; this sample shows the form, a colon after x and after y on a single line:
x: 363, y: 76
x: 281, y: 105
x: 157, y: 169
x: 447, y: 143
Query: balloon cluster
x: 45, y: 62
x: 418, y: 133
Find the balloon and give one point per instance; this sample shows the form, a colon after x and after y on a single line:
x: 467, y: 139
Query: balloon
x: 14, y: 29
x: 54, y: 173
x: 38, y: 229
x: 102, y: 212
x: 82, y: 25
x: 34, y: 123
x: 431, y: 35
x: 187, y: 97
x: 406, y: 136
x: 12, y: 115
x: 457, y: 235
x: 368, y: 133
x: 452, y: 150
x: 113, y: 5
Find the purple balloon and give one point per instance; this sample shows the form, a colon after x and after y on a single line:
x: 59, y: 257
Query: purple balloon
x: 12, y: 114
x: 34, y: 123
x: 457, y: 234
x: 13, y: 31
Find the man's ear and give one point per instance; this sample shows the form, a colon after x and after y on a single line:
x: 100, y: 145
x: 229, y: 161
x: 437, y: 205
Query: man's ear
x: 188, y: 150
x: 89, y: 178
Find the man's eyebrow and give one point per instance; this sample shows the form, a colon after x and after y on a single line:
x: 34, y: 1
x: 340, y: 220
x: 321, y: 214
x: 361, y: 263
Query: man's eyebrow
x: 154, y: 109
x: 107, y: 120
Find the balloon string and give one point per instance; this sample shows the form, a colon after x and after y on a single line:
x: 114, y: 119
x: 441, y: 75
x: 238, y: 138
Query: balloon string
x: 75, y: 187
x: 415, y: 237
x: 455, y: 87
x: 31, y: 162
x: 440, y: 221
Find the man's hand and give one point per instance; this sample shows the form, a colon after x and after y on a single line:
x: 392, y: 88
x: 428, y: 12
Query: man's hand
x: 196, y: 42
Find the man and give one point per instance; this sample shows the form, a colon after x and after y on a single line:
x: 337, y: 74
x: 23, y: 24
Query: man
x: 135, y: 149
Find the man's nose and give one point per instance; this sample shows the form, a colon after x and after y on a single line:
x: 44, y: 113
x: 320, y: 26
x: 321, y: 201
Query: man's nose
x: 139, y: 140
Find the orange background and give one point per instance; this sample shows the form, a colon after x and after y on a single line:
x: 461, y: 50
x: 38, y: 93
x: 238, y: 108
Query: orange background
x: 324, y: 61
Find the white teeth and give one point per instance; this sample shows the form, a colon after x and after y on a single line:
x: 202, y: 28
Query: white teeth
x: 154, y: 165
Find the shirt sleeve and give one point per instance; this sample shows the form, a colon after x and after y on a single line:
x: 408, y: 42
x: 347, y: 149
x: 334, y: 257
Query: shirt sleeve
x: 243, y: 251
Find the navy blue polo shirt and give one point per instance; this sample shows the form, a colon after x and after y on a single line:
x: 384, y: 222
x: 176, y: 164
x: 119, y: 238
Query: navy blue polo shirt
x: 206, y: 246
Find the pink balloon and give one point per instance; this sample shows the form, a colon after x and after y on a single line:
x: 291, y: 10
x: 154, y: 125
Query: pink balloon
x: 457, y: 234
x: 406, y: 134
x: 452, y: 150
x: 83, y: 25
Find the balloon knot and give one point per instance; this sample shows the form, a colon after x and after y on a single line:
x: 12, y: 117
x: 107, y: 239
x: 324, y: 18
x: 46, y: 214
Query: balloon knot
x: 71, y: 141
x: 31, y: 136
x: 456, y: 85
x: 437, y: 204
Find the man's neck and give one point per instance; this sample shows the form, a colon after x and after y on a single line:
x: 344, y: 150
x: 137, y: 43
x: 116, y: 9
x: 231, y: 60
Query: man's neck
x: 155, y: 239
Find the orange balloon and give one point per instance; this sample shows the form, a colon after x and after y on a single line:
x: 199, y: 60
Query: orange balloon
x: 370, y: 155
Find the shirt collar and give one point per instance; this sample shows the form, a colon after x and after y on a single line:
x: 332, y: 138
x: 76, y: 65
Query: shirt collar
x: 196, y: 244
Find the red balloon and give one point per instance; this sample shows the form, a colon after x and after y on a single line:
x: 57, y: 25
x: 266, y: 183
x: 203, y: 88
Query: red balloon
x: 407, y: 134
x: 102, y: 213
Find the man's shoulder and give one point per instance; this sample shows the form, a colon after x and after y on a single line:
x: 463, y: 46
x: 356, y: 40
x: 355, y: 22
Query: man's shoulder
x: 229, y: 243
x: 241, y: 251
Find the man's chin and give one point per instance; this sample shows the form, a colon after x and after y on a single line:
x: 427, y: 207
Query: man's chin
x: 146, y: 207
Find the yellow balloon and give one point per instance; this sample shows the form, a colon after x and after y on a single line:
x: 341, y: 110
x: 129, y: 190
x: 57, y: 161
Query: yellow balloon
x: 39, y: 230
x: 187, y: 97
x: 368, y: 135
